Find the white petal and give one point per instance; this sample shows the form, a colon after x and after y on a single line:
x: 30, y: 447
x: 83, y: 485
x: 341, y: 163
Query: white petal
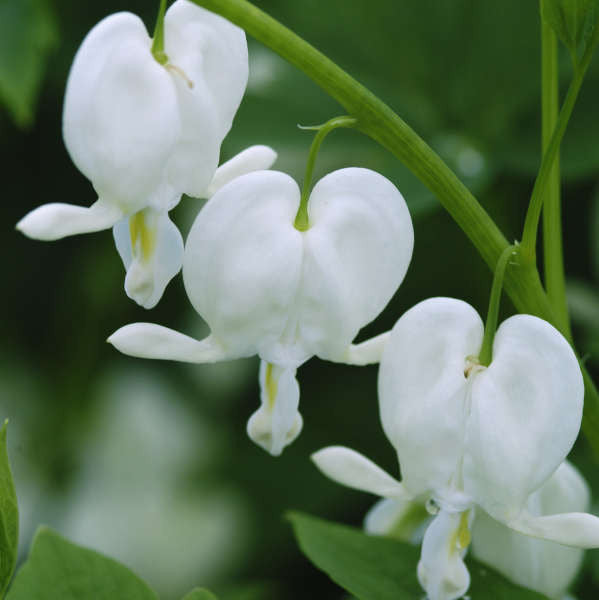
x: 277, y: 422
x: 368, y: 352
x: 349, y: 468
x: 55, y: 221
x: 525, y: 415
x: 357, y: 251
x: 402, y: 519
x: 580, y: 530
x: 209, y: 66
x: 209, y: 49
x: 242, y: 262
x: 423, y: 390
x: 546, y: 567
x: 146, y: 340
x: 121, y: 116
x: 441, y: 570
x: 254, y: 158
x: 154, y: 260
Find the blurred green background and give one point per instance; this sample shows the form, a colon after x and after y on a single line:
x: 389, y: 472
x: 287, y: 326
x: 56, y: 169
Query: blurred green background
x: 149, y: 461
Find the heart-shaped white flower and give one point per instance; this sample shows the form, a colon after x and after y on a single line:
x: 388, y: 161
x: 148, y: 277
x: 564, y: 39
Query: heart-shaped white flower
x: 266, y: 288
x: 144, y: 133
x: 470, y: 436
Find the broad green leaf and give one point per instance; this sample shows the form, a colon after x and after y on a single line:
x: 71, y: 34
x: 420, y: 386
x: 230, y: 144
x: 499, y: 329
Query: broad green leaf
x: 60, y: 570
x: 574, y: 21
x: 200, y: 594
x: 378, y: 568
x: 9, y: 517
x: 28, y: 33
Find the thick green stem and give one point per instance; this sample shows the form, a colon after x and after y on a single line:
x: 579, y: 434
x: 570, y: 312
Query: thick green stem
x: 378, y: 121
x: 555, y: 280
x: 486, y: 351
x: 301, y: 219
x: 158, y: 40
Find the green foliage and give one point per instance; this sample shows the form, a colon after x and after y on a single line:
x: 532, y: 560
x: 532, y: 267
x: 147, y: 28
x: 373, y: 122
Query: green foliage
x: 378, y: 568
x: 200, y: 594
x: 28, y: 33
x: 9, y: 517
x: 60, y: 570
x: 574, y: 21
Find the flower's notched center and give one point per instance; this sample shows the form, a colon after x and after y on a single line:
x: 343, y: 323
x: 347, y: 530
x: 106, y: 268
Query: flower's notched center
x: 472, y: 366
x: 179, y: 71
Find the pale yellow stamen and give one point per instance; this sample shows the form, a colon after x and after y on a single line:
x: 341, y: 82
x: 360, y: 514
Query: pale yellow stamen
x: 271, y: 387
x: 460, y: 540
x: 143, y: 238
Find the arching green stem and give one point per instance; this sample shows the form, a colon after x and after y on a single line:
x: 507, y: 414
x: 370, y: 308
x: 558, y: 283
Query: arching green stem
x: 301, y: 219
x: 158, y: 41
x: 378, y: 121
x: 486, y: 351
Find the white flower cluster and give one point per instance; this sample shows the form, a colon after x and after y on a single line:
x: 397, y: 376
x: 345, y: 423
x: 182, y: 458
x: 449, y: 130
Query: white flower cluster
x: 481, y: 447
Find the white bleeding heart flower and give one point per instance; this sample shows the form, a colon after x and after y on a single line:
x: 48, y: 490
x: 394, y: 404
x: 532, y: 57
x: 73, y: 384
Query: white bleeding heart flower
x: 470, y: 437
x: 266, y: 288
x: 545, y: 567
x: 144, y: 133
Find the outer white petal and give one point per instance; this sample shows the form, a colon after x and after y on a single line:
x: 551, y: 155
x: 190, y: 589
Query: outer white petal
x: 352, y: 469
x: 209, y: 65
x: 148, y: 276
x: 121, y: 116
x: 357, y: 251
x: 402, y: 519
x: 242, y: 263
x: 441, y: 570
x: 525, y: 416
x: 254, y: 158
x: 423, y: 392
x: 368, y: 352
x: 55, y: 221
x: 543, y: 566
x: 146, y: 340
x: 277, y: 422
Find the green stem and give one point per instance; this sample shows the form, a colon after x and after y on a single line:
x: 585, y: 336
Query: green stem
x: 555, y: 280
x: 158, y: 39
x: 379, y: 122
x: 302, y: 221
x: 531, y: 224
x: 486, y: 351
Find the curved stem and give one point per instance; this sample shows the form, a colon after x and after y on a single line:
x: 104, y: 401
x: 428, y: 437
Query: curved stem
x: 301, y: 219
x: 486, y: 351
x: 555, y: 281
x: 158, y: 39
x: 379, y: 122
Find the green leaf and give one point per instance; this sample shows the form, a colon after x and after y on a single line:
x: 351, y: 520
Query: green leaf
x: 28, y: 33
x: 200, y: 594
x: 60, y: 570
x: 9, y: 517
x: 378, y: 568
x: 574, y: 21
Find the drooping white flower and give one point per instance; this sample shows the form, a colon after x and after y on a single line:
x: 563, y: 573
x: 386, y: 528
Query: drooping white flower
x: 266, y: 288
x: 470, y: 437
x: 144, y: 133
x: 543, y: 566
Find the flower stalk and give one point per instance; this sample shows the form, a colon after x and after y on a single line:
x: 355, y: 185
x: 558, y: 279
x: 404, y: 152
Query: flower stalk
x: 158, y: 38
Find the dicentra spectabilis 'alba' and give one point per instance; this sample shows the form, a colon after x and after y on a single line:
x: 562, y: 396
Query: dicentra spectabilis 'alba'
x: 145, y: 133
x: 266, y: 288
x: 469, y: 436
x: 543, y: 566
